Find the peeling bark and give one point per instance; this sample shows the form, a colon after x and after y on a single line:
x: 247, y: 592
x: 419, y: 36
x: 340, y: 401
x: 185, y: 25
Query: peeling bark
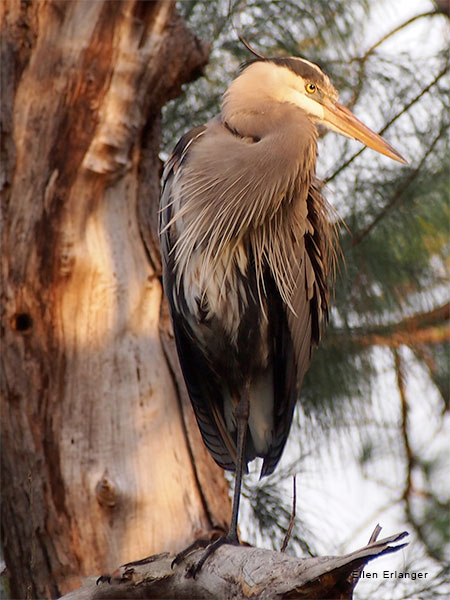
x: 240, y: 573
x: 99, y: 462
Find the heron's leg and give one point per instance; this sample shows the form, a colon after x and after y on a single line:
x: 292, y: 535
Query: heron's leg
x: 241, y: 412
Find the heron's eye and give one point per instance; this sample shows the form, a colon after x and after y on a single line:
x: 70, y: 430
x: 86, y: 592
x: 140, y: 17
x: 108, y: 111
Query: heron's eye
x: 311, y: 88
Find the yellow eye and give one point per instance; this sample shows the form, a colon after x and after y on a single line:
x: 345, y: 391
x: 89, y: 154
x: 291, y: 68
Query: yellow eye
x: 311, y: 88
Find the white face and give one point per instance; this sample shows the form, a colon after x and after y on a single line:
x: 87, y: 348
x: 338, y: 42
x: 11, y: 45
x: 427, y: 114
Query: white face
x: 304, y: 85
x: 283, y: 85
x: 300, y: 97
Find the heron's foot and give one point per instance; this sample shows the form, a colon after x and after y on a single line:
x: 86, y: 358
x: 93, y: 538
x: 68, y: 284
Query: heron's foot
x: 211, y: 547
x: 202, y: 542
x: 194, y: 569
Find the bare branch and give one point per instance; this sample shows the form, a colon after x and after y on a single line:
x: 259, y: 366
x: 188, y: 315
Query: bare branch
x: 411, y: 462
x: 266, y: 575
x: 400, y: 375
x: 292, y: 521
x: 362, y: 60
x: 425, y: 355
x: 393, y: 32
x: 373, y: 538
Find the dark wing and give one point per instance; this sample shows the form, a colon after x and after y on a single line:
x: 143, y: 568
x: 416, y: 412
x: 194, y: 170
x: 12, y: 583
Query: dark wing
x: 284, y: 375
x: 201, y: 381
x: 297, y: 328
x: 205, y: 393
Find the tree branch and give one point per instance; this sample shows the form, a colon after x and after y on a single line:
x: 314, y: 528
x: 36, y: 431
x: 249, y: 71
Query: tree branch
x: 400, y: 375
x: 425, y: 355
x: 362, y: 60
x: 431, y: 335
x: 393, y: 32
x: 411, y: 462
x: 239, y: 572
x: 292, y: 521
x: 422, y: 328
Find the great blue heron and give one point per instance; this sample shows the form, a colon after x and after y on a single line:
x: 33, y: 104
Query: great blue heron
x: 246, y: 245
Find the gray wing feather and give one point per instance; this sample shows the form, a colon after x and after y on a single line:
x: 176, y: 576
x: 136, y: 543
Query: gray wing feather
x: 310, y: 299
x: 306, y: 309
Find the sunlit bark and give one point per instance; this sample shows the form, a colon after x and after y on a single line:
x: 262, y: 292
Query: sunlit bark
x: 101, y: 462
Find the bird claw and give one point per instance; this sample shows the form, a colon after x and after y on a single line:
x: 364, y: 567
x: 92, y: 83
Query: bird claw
x: 211, y: 547
x: 200, y: 543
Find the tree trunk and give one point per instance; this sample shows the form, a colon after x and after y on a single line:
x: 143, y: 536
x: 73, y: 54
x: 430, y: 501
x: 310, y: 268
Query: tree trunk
x: 101, y: 459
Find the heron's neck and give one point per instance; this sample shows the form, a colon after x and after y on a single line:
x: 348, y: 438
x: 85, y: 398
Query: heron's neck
x: 287, y: 134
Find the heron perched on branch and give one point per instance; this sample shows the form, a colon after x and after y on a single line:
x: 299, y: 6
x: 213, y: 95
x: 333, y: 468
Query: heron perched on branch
x: 247, y: 247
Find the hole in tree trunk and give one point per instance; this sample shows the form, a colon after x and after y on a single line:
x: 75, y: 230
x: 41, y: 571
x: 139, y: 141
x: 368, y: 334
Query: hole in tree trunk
x: 22, y: 322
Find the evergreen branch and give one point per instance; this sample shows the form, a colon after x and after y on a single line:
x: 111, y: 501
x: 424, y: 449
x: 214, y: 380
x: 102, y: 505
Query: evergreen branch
x: 430, y: 335
x: 432, y: 317
x: 422, y: 328
x: 390, y: 122
x: 414, y: 173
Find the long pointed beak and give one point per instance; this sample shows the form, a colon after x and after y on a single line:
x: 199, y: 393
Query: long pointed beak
x: 343, y: 121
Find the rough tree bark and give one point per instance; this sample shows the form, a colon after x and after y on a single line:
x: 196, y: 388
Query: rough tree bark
x: 241, y: 573
x: 101, y: 460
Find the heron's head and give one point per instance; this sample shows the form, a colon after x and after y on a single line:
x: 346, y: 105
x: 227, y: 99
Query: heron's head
x: 300, y: 82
